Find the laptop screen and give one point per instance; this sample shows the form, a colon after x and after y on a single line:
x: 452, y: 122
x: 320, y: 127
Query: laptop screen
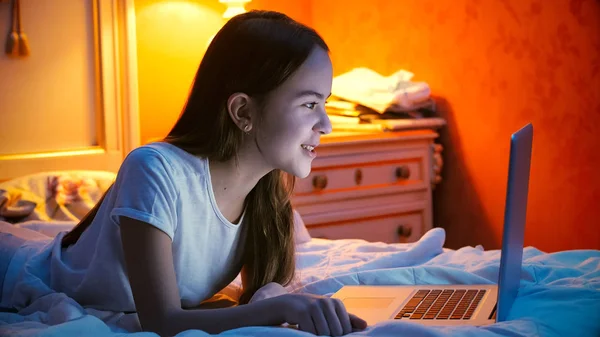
x: 515, y: 211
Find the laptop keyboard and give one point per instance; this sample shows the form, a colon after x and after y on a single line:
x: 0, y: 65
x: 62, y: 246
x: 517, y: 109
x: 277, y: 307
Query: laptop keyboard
x: 442, y: 304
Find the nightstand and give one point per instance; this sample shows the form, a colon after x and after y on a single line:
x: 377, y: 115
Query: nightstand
x: 371, y: 186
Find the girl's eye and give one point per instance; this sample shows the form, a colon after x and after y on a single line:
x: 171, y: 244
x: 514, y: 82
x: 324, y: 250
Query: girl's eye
x: 311, y: 106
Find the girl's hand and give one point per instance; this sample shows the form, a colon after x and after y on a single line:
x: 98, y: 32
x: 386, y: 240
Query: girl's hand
x: 318, y: 315
x: 269, y: 290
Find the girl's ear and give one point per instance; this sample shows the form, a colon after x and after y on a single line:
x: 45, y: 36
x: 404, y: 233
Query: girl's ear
x: 240, y: 111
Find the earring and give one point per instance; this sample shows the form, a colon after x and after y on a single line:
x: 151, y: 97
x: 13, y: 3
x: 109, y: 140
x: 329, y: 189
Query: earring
x: 247, y: 128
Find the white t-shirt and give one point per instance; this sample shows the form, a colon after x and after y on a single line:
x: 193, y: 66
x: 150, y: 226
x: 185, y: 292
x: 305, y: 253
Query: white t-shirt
x: 170, y: 189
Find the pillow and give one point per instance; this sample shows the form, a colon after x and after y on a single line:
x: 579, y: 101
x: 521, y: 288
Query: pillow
x: 301, y: 234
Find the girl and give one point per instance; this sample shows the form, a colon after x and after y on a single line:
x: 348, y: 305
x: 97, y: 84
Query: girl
x: 187, y: 214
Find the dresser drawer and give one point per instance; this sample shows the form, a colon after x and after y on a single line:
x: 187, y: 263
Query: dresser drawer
x: 365, y: 175
x: 393, y: 228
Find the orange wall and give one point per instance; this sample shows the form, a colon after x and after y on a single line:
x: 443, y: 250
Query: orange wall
x: 172, y: 36
x: 496, y: 65
x: 171, y: 39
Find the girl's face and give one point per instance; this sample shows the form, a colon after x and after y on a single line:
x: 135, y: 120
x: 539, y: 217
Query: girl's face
x: 294, y: 117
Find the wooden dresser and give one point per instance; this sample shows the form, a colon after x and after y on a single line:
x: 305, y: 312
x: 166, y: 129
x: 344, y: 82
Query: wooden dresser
x: 372, y: 186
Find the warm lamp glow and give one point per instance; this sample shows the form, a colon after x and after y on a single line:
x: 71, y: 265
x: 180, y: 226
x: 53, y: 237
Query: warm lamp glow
x: 234, y: 7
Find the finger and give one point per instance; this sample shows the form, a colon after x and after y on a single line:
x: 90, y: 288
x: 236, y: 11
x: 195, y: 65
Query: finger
x: 306, y: 324
x: 357, y: 322
x: 340, y: 309
x: 321, y: 326
x: 335, y: 326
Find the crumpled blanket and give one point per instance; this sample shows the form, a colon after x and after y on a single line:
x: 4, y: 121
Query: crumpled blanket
x: 559, y: 295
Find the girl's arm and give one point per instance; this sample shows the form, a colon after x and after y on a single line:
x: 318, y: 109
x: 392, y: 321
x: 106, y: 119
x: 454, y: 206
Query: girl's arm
x: 149, y: 264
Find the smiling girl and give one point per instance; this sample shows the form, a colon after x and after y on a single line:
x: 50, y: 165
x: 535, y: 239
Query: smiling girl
x: 187, y: 214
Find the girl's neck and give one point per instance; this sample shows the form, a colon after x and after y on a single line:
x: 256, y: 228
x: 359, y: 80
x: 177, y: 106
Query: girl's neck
x: 233, y: 180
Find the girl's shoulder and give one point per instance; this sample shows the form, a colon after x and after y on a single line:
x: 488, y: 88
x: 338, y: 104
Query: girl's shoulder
x: 167, y: 157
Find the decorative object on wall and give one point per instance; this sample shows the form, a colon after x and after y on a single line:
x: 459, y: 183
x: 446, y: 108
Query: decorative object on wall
x: 23, y: 40
x: 12, y: 41
x: 17, y: 44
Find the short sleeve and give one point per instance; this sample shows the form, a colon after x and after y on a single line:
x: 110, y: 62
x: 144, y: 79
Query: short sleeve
x: 145, y: 190
x: 301, y: 234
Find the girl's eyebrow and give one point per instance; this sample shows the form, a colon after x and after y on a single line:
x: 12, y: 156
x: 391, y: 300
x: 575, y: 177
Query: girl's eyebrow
x: 310, y: 93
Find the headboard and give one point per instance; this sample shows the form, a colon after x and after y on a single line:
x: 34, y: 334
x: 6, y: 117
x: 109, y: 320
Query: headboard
x: 71, y: 104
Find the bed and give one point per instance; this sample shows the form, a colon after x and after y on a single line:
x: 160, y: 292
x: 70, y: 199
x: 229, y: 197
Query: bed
x: 559, y: 295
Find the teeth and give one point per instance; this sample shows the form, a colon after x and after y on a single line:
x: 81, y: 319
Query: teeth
x: 307, y: 147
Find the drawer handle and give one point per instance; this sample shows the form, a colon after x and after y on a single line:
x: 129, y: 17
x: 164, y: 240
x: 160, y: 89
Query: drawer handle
x: 404, y: 231
x: 358, y: 176
x: 402, y: 172
x: 319, y: 182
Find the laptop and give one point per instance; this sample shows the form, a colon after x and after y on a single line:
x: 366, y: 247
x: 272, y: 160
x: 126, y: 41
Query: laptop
x: 450, y: 305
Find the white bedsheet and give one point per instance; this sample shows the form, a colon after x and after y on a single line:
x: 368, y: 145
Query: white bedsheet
x: 559, y: 296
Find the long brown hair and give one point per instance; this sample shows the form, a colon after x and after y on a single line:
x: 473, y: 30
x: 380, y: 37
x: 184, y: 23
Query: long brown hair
x: 253, y: 53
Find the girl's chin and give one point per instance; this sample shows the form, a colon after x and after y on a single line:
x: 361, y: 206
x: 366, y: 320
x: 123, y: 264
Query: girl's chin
x: 300, y: 172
